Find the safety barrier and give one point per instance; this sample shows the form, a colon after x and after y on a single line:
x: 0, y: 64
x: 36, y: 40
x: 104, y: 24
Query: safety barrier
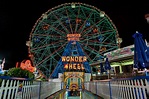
x: 22, y: 88
x: 124, y: 88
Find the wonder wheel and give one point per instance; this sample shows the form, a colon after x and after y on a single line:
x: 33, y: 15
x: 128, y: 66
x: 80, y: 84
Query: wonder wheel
x: 49, y: 35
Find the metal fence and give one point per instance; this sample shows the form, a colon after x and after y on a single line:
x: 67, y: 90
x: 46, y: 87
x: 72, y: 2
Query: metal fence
x: 126, y: 88
x: 21, y: 88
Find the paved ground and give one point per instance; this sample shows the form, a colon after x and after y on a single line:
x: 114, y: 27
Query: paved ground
x: 85, y: 95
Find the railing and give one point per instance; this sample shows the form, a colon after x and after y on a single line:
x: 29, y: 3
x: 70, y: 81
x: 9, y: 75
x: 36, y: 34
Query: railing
x: 126, y: 88
x: 21, y: 88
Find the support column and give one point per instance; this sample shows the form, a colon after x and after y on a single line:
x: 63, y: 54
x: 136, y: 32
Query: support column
x: 114, y: 70
x: 120, y: 68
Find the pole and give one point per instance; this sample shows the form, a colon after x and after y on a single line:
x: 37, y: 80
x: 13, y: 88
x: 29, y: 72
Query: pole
x: 39, y: 90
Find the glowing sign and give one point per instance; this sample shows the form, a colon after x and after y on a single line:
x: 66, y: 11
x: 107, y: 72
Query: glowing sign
x: 74, y: 58
x: 73, y: 37
x: 74, y: 66
x: 74, y: 62
x: 26, y: 65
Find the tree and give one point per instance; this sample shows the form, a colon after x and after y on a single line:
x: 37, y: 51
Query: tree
x: 18, y: 72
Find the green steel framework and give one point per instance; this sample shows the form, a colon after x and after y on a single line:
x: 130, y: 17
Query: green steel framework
x: 48, y: 37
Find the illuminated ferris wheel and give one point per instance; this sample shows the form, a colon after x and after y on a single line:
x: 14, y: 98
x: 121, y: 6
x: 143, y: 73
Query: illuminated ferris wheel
x: 49, y: 36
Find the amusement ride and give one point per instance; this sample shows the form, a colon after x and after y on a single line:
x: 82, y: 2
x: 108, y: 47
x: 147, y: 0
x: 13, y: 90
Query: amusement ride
x: 68, y: 38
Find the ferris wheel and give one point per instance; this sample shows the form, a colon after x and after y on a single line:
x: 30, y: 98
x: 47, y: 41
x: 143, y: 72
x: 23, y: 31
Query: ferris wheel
x: 49, y: 35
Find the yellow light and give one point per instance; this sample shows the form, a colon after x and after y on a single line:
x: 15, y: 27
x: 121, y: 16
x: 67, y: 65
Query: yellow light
x: 74, y: 58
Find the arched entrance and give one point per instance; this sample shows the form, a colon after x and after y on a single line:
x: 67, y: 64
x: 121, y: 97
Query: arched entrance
x: 73, y: 81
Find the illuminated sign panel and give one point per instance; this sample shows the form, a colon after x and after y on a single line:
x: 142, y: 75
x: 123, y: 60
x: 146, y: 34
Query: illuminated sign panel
x: 120, y: 53
x: 74, y: 62
x: 74, y: 58
x: 73, y: 37
x: 74, y: 66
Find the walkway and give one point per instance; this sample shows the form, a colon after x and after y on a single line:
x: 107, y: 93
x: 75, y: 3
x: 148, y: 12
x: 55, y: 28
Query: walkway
x: 83, y: 95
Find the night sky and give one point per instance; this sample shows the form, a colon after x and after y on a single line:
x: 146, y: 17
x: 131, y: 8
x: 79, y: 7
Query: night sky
x: 17, y: 19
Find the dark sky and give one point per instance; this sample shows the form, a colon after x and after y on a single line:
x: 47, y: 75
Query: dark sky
x: 17, y: 18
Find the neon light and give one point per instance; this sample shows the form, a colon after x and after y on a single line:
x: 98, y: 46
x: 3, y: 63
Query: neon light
x: 74, y: 66
x: 73, y: 37
x: 74, y: 58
